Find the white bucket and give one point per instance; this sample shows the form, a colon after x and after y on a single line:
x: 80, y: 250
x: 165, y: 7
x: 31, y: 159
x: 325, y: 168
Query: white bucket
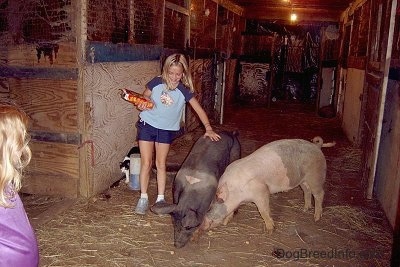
x: 134, y: 171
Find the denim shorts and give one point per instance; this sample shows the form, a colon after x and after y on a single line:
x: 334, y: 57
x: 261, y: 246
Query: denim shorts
x: 146, y: 132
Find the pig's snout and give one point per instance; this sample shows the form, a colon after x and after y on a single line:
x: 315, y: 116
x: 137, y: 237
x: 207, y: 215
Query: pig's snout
x: 181, y: 239
x: 216, y: 215
x: 211, y: 221
x: 179, y: 244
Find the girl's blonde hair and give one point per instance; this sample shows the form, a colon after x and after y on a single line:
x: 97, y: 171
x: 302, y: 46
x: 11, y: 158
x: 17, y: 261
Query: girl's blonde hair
x: 177, y: 60
x: 15, y: 153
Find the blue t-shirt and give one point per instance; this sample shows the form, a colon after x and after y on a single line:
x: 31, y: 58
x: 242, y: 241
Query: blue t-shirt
x: 168, y: 105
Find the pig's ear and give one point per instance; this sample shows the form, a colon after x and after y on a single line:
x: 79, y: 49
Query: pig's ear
x: 219, y: 200
x: 222, y: 193
x: 192, y: 180
x: 163, y: 209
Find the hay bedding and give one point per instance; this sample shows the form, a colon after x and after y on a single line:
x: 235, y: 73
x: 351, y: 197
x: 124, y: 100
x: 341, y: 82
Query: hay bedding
x: 35, y: 205
x: 107, y: 233
x: 104, y: 231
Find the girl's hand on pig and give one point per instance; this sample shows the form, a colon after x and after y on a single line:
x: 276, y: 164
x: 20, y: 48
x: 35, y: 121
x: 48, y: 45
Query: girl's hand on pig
x: 212, y: 135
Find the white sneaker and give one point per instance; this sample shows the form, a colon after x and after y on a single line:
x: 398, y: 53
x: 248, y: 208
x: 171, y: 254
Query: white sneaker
x: 142, y: 206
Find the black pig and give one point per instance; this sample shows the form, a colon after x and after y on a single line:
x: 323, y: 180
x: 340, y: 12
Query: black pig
x: 196, y: 182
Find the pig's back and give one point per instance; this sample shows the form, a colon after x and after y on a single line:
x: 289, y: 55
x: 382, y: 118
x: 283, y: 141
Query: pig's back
x: 208, y: 159
x: 288, y: 149
x: 291, y: 158
x: 296, y: 154
x: 294, y: 149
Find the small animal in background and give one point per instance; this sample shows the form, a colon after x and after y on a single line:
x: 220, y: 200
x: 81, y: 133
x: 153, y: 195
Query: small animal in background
x: 125, y: 164
x: 275, y: 167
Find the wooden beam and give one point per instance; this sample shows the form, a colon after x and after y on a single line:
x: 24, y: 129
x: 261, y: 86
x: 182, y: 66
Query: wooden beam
x: 283, y: 13
x: 230, y: 6
x: 7, y: 71
x: 108, y: 52
x: 175, y: 7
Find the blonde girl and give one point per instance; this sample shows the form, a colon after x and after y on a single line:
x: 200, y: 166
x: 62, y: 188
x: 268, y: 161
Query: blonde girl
x: 157, y: 127
x: 18, y: 244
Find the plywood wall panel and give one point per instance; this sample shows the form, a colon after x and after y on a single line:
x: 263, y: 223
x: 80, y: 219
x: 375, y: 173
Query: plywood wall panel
x: 62, y: 55
x: 112, y: 120
x: 51, y: 104
x: 53, y: 170
x: 352, y: 104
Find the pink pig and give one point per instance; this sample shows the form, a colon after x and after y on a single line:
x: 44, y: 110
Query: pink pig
x: 275, y: 167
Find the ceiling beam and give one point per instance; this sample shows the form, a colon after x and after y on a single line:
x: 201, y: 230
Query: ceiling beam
x: 283, y: 13
x: 230, y: 6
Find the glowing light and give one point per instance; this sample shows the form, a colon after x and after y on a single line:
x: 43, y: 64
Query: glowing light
x: 293, y: 17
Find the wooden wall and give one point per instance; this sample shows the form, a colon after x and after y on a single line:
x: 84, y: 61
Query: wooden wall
x: 370, y: 96
x: 52, y: 107
x: 388, y: 185
x: 352, y: 104
x: 60, y: 55
x: 231, y: 81
x: 388, y: 165
x: 68, y: 79
x: 112, y: 128
x: 353, y: 51
x: 45, y: 86
x: 202, y: 74
x: 39, y: 72
x: 54, y: 169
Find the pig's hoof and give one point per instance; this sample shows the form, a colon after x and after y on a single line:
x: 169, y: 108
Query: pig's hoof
x: 227, y: 219
x: 317, y: 217
x: 269, y: 231
x: 269, y: 227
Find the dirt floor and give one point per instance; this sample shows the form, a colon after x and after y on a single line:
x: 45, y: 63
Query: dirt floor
x: 104, y: 231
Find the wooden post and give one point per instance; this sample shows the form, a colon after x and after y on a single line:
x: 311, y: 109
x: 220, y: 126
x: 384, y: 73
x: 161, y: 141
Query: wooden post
x: 272, y: 76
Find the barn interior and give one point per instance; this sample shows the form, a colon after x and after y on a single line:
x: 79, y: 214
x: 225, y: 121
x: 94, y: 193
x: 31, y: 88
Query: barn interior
x: 331, y: 66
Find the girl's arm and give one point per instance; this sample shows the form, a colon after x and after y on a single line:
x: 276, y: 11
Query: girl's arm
x: 147, y: 94
x: 204, y: 119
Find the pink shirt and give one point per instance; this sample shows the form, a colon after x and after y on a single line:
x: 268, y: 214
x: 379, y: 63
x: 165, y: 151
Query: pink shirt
x: 18, y: 244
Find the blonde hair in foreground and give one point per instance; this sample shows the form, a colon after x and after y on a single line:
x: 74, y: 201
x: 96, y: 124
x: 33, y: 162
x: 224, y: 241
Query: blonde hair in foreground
x: 15, y: 153
x: 178, y: 60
